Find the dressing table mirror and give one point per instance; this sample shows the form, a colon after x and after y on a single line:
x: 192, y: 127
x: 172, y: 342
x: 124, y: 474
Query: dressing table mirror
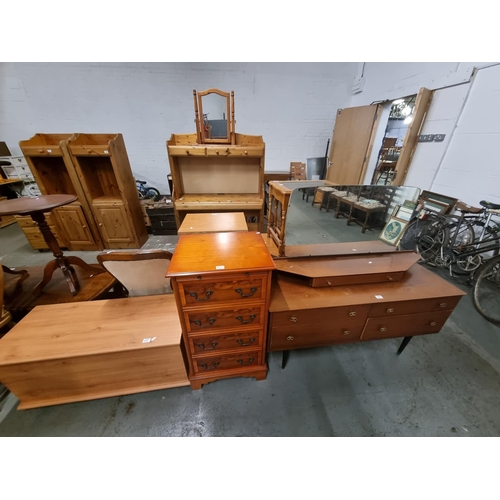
x: 214, y: 116
x: 308, y: 218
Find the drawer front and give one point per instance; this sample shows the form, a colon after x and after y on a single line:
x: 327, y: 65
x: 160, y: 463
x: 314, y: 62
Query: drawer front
x: 357, y: 279
x: 404, y: 326
x: 207, y: 344
x: 413, y: 306
x: 227, y: 362
x: 296, y: 336
x: 325, y: 315
x: 27, y: 221
x: 202, y: 291
x: 199, y: 321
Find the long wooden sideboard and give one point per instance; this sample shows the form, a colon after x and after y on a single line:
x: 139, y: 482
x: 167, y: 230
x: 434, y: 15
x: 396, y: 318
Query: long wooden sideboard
x: 303, y: 316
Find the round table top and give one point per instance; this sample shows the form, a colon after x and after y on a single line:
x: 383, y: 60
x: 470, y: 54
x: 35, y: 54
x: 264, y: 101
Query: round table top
x: 28, y: 205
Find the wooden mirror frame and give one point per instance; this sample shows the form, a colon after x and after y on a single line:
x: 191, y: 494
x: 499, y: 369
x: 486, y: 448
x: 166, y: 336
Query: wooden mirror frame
x: 198, y: 110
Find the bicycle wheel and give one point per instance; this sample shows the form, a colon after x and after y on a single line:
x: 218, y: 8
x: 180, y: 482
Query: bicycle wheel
x: 470, y: 263
x: 430, y: 240
x: 152, y: 194
x: 486, y: 294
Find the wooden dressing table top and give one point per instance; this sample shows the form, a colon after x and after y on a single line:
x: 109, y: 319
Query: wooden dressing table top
x: 289, y: 293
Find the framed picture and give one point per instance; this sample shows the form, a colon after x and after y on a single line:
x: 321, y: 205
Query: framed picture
x: 393, y: 231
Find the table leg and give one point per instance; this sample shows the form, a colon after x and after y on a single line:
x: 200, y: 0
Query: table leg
x: 8, y: 270
x: 405, y: 342
x: 284, y: 359
x: 60, y: 261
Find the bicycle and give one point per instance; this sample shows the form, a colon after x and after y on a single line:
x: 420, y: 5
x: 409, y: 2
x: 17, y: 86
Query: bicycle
x: 147, y: 192
x: 486, y: 294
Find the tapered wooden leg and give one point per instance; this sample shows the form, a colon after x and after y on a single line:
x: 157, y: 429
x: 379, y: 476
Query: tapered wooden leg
x: 284, y: 359
x: 47, y: 276
x: 405, y: 342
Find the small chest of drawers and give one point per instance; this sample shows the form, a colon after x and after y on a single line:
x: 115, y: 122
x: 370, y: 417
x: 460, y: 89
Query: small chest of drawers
x: 222, y: 286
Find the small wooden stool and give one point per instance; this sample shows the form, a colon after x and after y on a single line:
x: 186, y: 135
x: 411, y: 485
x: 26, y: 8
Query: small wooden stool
x: 221, y: 222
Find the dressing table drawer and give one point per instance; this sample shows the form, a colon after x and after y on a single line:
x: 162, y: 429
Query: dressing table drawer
x: 327, y: 315
x: 413, y: 306
x: 298, y: 336
x: 405, y: 325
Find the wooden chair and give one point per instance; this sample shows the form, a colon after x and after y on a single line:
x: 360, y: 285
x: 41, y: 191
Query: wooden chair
x: 140, y: 272
x: 297, y: 171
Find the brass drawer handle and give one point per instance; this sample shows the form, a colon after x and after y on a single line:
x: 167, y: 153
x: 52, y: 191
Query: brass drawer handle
x: 432, y: 323
x: 352, y: 313
x: 205, y: 365
x: 245, y: 322
x: 390, y: 310
x: 242, y: 363
x: 195, y: 295
x: 240, y: 291
x: 250, y: 342
x: 383, y: 329
x: 346, y: 332
x: 290, y: 337
x: 202, y: 346
x: 294, y: 319
x: 443, y: 304
x: 211, y: 321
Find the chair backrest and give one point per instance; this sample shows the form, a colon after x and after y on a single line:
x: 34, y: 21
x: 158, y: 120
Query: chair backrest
x: 141, y: 272
x: 4, y: 315
x: 297, y: 171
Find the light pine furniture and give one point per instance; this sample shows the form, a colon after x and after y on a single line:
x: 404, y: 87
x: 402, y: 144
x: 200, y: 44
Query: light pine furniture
x: 302, y: 316
x: 216, y: 169
x: 103, y: 168
x: 96, y: 170
x: 219, y: 222
x: 222, y: 283
x: 94, y: 350
x: 73, y: 225
x: 218, y: 178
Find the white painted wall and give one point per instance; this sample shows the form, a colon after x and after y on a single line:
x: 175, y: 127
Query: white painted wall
x: 292, y: 105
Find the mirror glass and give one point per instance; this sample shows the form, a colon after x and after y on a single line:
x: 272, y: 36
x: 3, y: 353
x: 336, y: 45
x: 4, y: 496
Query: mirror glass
x: 309, y: 222
x: 215, y: 119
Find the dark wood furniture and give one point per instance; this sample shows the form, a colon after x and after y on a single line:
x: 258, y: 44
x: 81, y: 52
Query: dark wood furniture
x: 19, y: 298
x: 222, y: 283
x: 302, y: 316
x: 35, y: 208
x: 77, y: 352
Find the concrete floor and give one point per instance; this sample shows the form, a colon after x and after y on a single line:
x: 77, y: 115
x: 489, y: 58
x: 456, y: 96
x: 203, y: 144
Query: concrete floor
x: 442, y: 385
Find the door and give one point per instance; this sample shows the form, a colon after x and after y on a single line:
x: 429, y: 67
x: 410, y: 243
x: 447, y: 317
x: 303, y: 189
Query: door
x: 352, y: 142
x: 419, y: 114
x: 73, y: 225
x: 113, y: 225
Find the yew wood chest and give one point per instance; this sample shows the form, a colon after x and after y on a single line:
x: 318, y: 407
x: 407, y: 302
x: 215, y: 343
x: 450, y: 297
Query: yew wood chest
x: 222, y: 284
